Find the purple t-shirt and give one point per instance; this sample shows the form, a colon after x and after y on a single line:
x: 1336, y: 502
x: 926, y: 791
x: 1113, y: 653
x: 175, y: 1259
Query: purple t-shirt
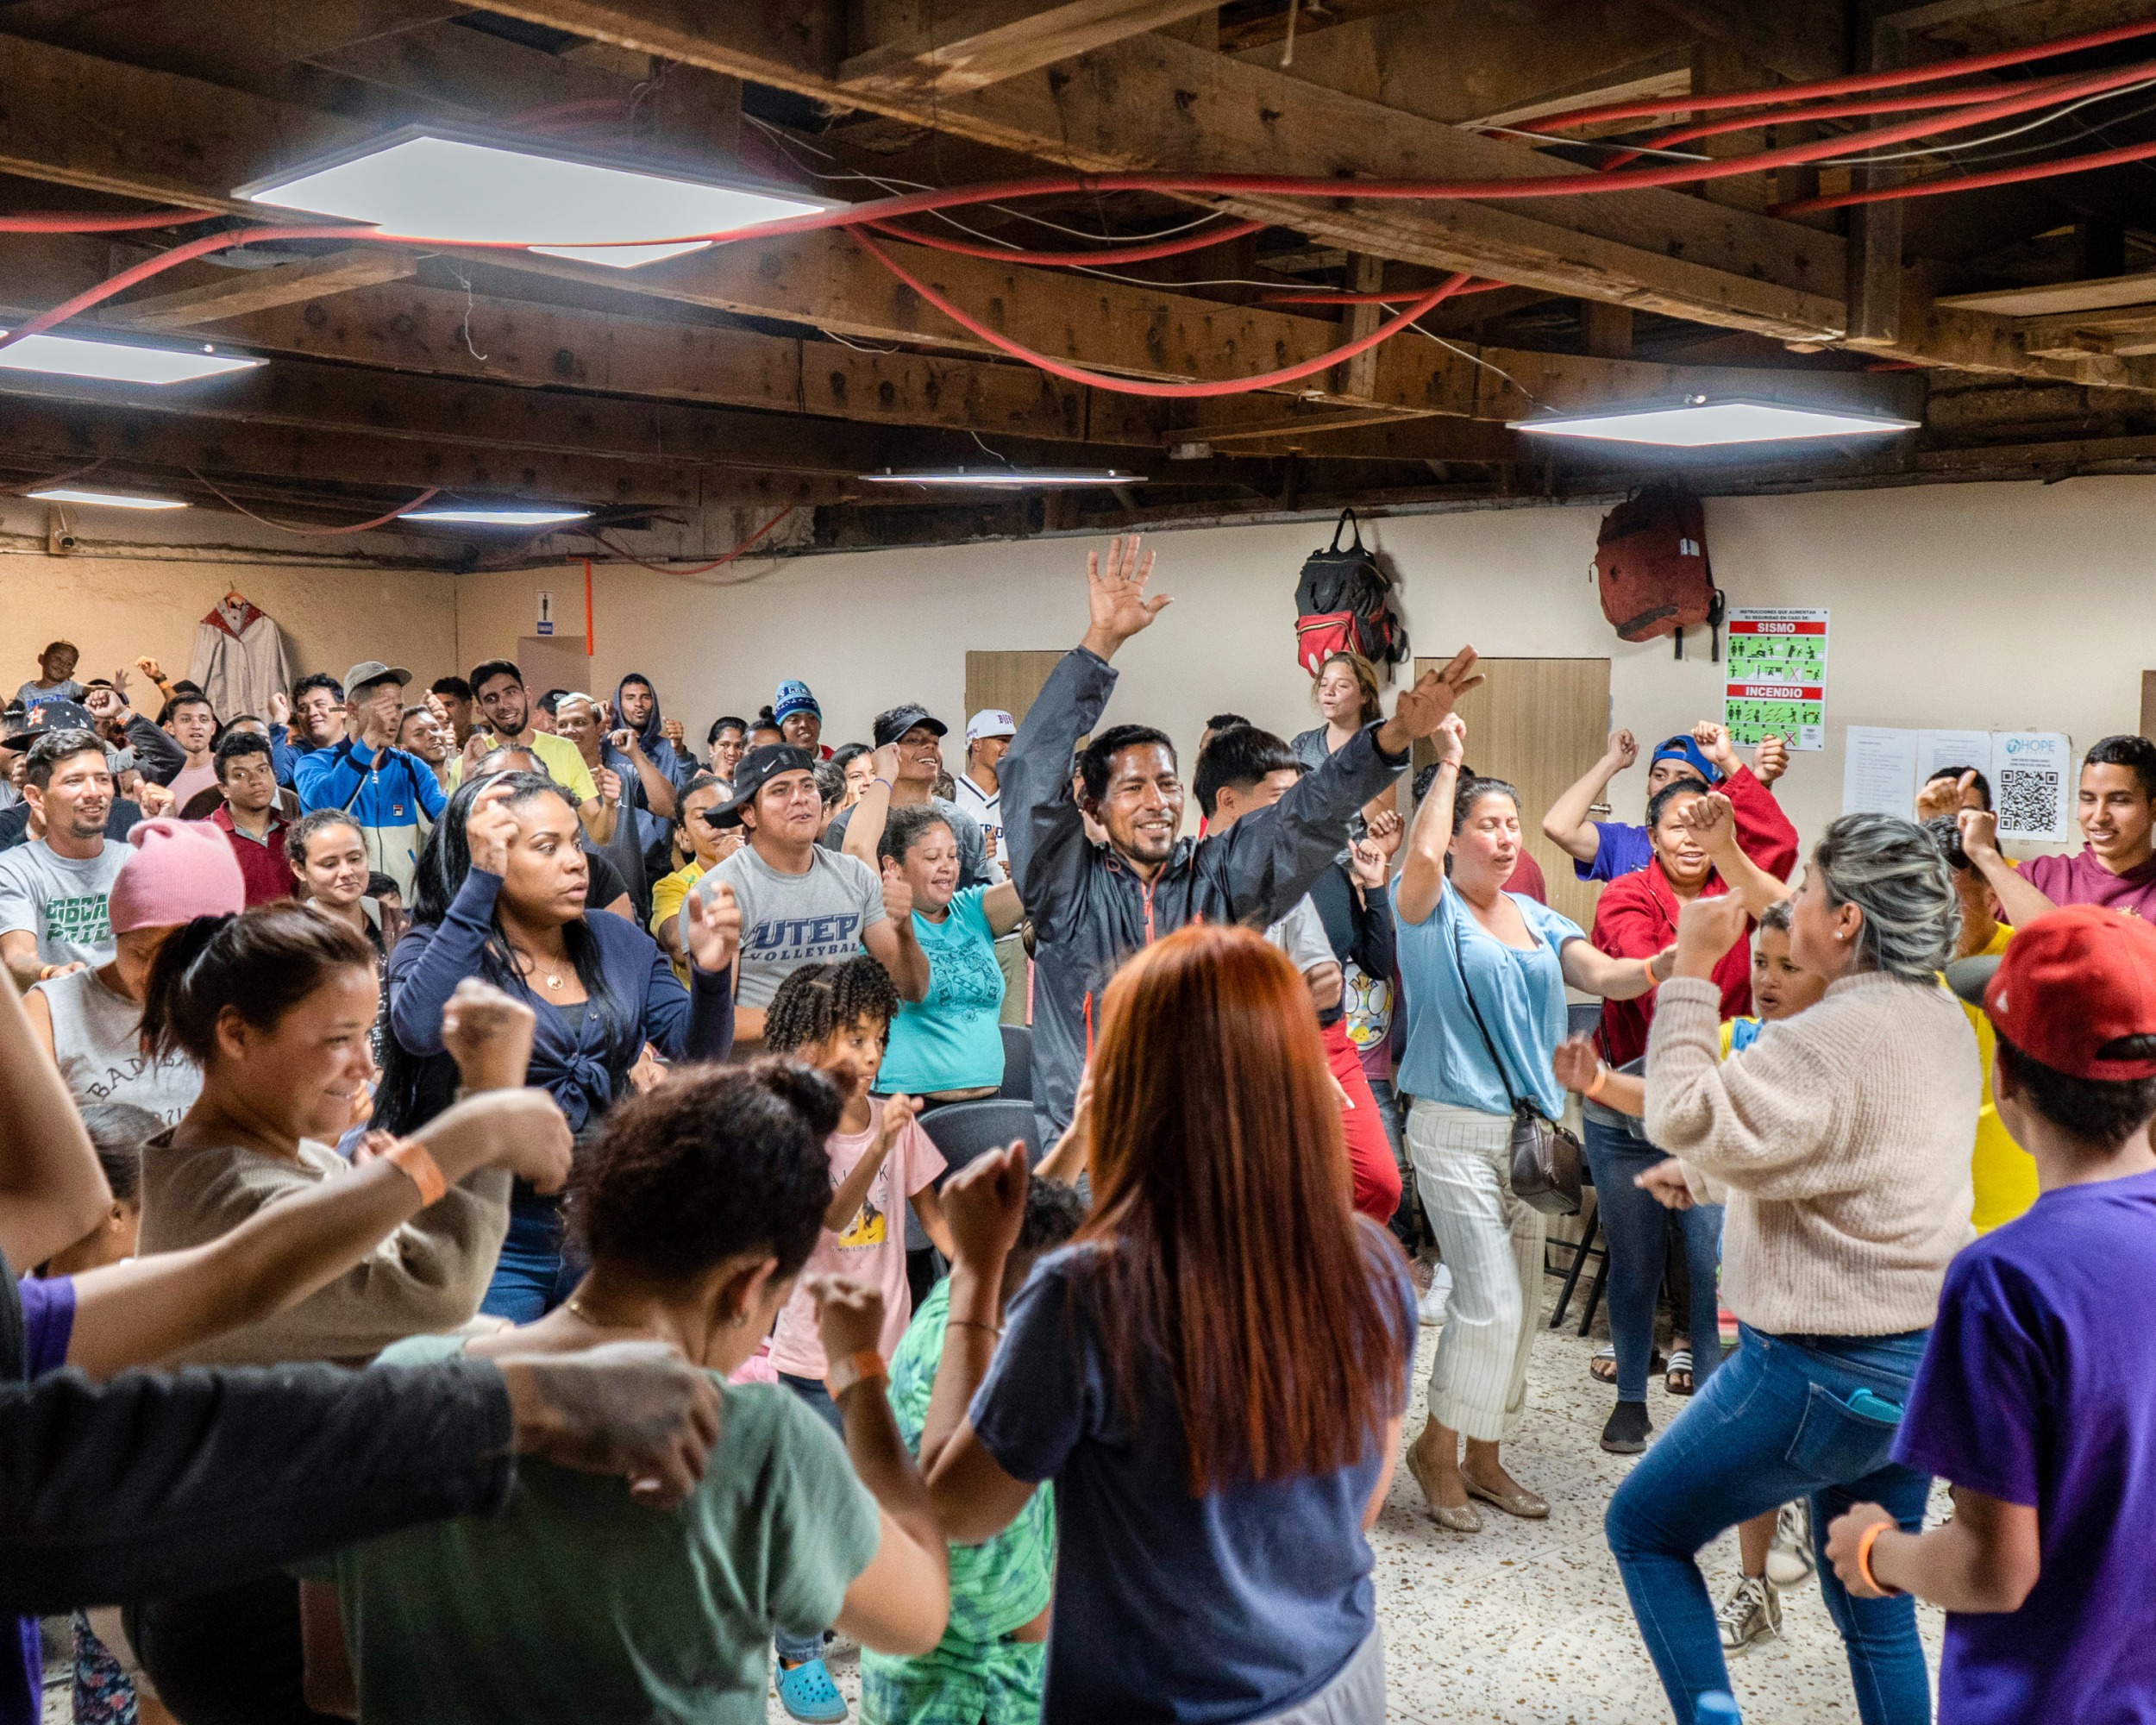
x: 2081, y: 880
x: 2038, y: 1387
x: 48, y: 1319
x: 1620, y: 847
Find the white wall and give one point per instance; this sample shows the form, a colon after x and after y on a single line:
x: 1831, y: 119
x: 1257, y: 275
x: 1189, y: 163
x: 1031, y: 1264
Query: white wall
x: 1999, y: 607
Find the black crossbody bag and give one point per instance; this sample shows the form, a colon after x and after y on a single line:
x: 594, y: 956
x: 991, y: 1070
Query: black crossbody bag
x: 1544, y: 1157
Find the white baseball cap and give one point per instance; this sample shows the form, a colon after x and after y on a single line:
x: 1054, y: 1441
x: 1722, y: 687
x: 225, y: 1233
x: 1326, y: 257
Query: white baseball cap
x: 990, y: 721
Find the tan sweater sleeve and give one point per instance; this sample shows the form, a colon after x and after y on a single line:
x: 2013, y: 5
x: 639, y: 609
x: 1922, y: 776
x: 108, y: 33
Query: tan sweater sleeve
x: 1758, y: 1120
x: 427, y: 1277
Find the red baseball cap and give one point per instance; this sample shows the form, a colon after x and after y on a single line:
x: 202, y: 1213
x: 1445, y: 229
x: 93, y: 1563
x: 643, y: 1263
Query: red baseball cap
x: 2069, y: 983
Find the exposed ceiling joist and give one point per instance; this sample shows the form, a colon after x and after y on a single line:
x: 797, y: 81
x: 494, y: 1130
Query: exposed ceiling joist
x: 1800, y: 39
x: 244, y: 291
x: 984, y: 44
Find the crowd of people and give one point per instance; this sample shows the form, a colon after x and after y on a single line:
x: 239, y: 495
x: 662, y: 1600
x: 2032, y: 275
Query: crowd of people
x: 460, y: 1155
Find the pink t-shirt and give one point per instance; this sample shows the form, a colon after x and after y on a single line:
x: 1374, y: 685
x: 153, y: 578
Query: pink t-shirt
x: 2081, y: 880
x: 871, y: 1247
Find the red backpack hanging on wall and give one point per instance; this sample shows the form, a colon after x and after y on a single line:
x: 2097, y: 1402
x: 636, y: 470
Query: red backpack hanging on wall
x: 1651, y: 564
x: 1343, y: 603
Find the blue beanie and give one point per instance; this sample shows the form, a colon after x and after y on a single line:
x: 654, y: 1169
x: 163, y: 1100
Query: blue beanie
x: 1682, y: 748
x: 794, y: 697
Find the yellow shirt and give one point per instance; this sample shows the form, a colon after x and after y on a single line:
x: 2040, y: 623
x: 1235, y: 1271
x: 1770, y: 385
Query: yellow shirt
x: 666, y: 905
x: 558, y: 756
x: 2004, y: 1173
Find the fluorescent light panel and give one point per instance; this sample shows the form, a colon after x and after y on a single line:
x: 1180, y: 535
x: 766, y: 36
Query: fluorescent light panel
x: 436, y: 187
x: 505, y: 517
x: 108, y: 499
x: 1695, y: 425
x: 1008, y: 479
x: 120, y: 361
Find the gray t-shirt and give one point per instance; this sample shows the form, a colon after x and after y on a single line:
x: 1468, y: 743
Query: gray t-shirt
x: 973, y: 849
x: 61, y: 901
x: 789, y: 920
x: 1301, y: 934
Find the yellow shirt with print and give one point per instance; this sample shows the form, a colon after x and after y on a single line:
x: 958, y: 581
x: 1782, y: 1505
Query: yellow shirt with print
x: 2004, y: 1173
x: 556, y: 754
x: 666, y: 905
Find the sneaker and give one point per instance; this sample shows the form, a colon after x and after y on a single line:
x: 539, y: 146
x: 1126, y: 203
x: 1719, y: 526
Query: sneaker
x: 1430, y: 1308
x: 1628, y: 1430
x: 1752, y: 1613
x: 807, y: 1692
x: 1789, y: 1558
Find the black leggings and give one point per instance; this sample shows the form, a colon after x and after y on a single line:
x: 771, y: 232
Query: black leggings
x: 228, y: 1657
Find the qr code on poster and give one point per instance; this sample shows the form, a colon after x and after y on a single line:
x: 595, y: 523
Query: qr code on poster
x: 2030, y: 800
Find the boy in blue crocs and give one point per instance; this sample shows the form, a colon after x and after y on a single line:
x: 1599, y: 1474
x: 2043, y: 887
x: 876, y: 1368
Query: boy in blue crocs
x: 989, y: 1665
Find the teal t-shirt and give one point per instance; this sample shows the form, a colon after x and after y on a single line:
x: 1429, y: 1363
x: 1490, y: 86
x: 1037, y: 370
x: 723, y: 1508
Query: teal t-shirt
x: 576, y: 1603
x: 1520, y: 993
x: 1002, y: 1583
x: 952, y: 1039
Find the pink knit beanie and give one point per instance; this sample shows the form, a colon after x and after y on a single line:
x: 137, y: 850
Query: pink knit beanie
x: 181, y: 870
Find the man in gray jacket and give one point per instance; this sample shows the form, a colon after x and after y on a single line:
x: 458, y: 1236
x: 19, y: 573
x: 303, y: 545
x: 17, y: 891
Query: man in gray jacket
x: 1093, y: 906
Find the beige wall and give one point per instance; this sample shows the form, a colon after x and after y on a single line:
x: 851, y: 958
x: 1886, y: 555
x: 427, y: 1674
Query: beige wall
x: 115, y: 609
x: 1992, y: 606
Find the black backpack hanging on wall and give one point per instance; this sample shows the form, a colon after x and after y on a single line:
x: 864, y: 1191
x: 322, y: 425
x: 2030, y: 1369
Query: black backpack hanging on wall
x: 1343, y: 603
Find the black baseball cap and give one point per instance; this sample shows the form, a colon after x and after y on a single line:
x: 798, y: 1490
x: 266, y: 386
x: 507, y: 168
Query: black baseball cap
x: 23, y: 728
x: 890, y: 726
x: 758, y: 768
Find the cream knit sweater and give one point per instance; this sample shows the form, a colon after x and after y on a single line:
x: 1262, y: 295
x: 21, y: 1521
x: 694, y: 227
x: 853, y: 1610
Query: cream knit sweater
x: 1843, y: 1140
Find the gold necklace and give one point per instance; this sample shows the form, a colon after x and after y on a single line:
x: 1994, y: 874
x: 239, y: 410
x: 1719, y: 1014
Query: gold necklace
x: 552, y: 978
x: 578, y: 1308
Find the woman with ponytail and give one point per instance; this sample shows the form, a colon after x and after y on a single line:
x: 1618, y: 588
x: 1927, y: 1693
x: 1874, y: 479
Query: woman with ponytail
x: 500, y: 895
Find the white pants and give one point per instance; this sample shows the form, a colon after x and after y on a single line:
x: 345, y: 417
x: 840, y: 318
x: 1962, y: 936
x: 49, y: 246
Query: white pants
x: 1493, y: 1244
x: 1355, y: 1696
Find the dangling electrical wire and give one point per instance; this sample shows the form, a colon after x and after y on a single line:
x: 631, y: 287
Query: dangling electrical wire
x: 316, y: 532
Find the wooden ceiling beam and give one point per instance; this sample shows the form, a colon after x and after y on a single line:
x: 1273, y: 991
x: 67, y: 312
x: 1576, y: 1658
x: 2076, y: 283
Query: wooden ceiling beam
x: 245, y: 292
x: 1800, y: 39
x: 985, y: 43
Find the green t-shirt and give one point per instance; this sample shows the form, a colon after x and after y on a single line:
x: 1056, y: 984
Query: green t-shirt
x: 576, y: 1603
x: 1003, y: 1583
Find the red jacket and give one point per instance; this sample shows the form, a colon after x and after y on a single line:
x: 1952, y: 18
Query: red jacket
x: 1764, y: 832
x: 1636, y: 917
x: 262, y: 865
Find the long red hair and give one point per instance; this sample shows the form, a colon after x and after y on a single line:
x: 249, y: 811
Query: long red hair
x: 1229, y: 1250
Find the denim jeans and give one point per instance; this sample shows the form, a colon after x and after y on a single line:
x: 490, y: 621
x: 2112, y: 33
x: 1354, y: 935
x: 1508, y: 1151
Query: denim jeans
x: 533, y: 1275
x: 1636, y: 1233
x: 1773, y: 1424
x: 797, y: 1650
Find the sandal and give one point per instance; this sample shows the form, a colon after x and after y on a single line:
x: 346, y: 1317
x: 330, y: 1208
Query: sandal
x: 807, y: 1692
x: 1603, y: 1367
x: 1680, y: 1366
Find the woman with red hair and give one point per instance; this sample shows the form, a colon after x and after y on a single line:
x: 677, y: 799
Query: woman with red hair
x: 1213, y: 1372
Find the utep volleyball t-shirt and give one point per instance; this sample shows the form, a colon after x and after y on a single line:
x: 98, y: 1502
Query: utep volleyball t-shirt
x: 789, y: 920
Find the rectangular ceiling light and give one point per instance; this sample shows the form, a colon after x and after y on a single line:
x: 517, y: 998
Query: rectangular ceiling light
x: 120, y: 361
x: 430, y: 184
x: 1015, y: 478
x: 108, y: 499
x: 507, y: 516
x: 1696, y: 422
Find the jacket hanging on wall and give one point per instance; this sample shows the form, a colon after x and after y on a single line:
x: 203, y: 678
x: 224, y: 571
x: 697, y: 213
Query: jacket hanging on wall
x: 1651, y: 564
x: 239, y: 659
x: 1343, y: 603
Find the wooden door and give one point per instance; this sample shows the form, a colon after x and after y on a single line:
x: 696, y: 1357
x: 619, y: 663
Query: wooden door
x: 1008, y: 679
x: 1538, y: 724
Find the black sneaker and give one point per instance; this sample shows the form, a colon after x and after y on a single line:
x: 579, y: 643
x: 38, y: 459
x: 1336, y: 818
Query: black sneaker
x: 1628, y: 1428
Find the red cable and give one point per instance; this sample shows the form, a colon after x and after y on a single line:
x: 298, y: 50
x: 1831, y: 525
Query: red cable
x: 1647, y: 107
x: 1121, y: 254
x: 317, y: 532
x: 1167, y: 392
x: 1971, y: 182
x: 85, y: 222
x: 701, y: 568
x: 165, y: 261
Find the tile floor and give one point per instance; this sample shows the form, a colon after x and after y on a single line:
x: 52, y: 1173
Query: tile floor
x: 1526, y: 1623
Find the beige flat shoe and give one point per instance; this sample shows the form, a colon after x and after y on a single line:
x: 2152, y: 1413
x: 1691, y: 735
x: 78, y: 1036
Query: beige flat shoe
x: 1524, y: 1504
x: 1461, y: 1518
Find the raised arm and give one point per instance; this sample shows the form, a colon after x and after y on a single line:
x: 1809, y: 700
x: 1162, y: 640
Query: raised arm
x: 659, y: 787
x: 1712, y: 819
x: 891, y: 943
x: 1570, y: 824
x: 1594, y: 972
x: 2019, y: 900
x: 52, y: 1190
x: 864, y: 826
x: 1421, y: 883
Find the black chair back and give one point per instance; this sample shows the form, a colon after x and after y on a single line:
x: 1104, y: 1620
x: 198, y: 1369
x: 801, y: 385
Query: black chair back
x: 965, y: 1130
x: 1017, y: 1063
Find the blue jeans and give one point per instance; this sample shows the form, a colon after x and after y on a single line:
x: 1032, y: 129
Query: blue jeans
x: 533, y: 1275
x: 793, y: 1650
x: 1636, y: 1233
x: 1773, y: 1424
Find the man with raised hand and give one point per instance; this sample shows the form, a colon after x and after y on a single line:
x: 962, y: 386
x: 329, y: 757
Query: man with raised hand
x: 1092, y: 905
x: 392, y: 797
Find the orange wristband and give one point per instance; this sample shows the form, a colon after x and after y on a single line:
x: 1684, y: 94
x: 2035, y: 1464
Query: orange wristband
x: 854, y: 1369
x: 1593, y: 1091
x: 1865, y: 1540
x: 418, y: 1166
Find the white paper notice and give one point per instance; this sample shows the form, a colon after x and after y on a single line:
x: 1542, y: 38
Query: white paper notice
x: 1937, y: 750
x: 1878, y: 771
x: 2032, y: 784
